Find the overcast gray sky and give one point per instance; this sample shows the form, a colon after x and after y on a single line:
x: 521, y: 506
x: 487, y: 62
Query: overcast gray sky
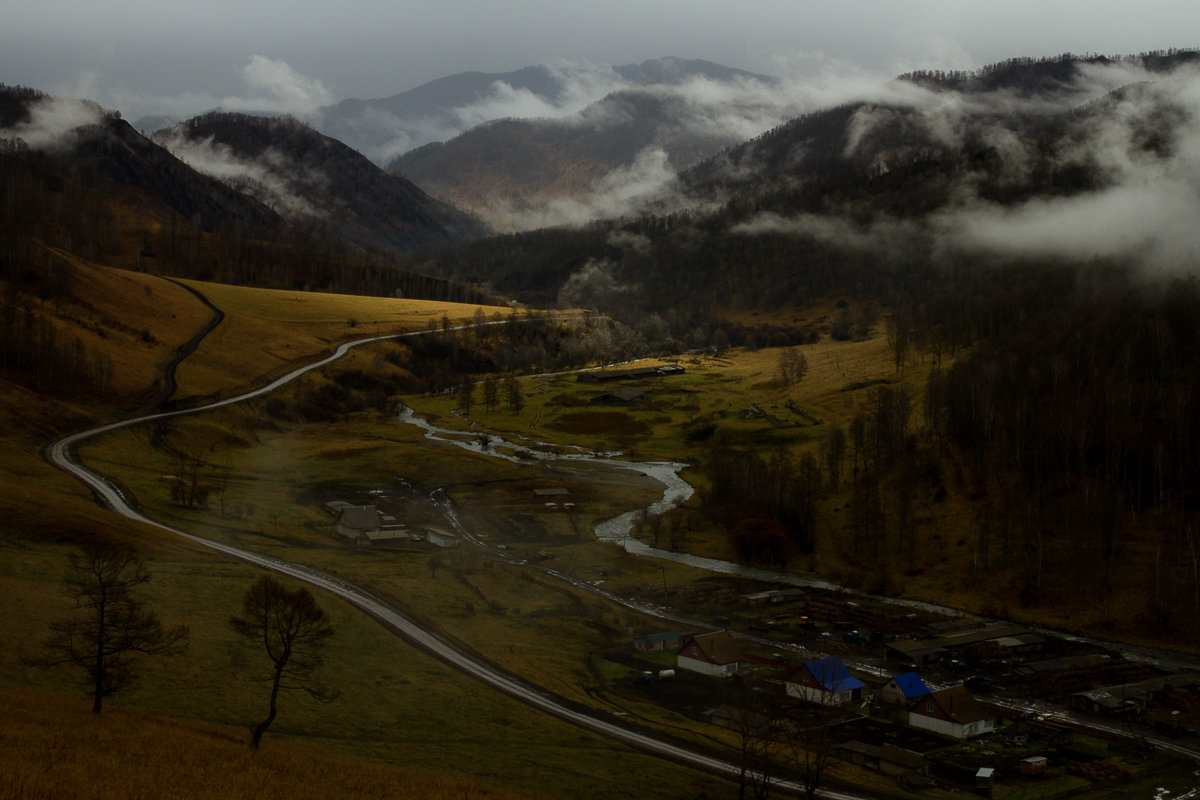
x: 164, y: 56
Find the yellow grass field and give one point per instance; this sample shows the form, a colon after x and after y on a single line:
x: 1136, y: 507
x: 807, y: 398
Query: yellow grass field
x: 56, y: 748
x: 267, y: 331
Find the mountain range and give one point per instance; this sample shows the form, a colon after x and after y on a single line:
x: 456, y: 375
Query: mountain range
x: 550, y: 145
x: 387, y: 127
x: 967, y: 154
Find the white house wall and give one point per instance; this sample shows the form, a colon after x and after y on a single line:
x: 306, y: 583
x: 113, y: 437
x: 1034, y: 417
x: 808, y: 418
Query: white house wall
x: 705, y: 667
x: 813, y: 695
x: 951, y: 729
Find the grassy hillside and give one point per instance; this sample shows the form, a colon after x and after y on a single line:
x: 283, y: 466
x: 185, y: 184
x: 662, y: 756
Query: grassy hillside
x: 55, y: 747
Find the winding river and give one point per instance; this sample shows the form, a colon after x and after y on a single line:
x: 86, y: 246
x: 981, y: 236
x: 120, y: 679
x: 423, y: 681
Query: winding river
x: 618, y: 529
x: 676, y: 491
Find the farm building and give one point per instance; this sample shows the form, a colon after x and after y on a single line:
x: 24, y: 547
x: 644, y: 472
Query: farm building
x: 717, y: 654
x: 621, y: 396
x: 355, y: 522
x: 825, y: 681
x: 1005, y: 638
x: 656, y: 642
x: 607, y: 376
x: 440, y: 537
x: 388, y: 534
x: 916, y: 651
x: 951, y: 712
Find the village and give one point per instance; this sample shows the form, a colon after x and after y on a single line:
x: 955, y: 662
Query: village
x: 919, y: 697
x: 963, y: 703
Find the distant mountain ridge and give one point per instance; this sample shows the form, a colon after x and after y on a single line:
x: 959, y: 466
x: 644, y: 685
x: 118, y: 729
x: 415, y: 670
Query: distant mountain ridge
x: 1021, y: 102
x: 387, y: 127
x: 521, y: 173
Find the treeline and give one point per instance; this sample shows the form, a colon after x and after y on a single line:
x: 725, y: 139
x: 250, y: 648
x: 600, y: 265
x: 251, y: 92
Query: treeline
x: 1081, y: 422
x: 234, y: 253
x: 1066, y: 416
x: 1040, y: 73
x: 767, y: 504
x: 34, y: 352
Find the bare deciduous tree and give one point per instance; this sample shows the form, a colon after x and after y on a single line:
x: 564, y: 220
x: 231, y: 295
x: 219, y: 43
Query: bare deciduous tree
x: 292, y: 629
x: 112, y: 626
x: 792, y: 366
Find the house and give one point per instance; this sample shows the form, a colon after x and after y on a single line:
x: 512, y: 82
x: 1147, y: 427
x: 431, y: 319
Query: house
x: 951, y: 712
x: 621, y: 396
x: 355, y: 522
x: 716, y: 654
x: 825, y: 681
x: 656, y: 642
x: 902, y: 690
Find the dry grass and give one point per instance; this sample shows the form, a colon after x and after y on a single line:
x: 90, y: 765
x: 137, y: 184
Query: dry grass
x: 137, y: 320
x: 52, y: 748
x: 267, y: 331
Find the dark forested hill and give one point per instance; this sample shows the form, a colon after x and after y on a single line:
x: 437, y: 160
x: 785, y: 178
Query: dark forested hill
x: 76, y: 181
x: 317, y: 182
x: 516, y: 171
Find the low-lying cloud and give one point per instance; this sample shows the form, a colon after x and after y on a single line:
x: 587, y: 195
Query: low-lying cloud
x: 272, y: 86
x: 53, y: 121
x: 650, y: 179
x: 1143, y: 144
x: 276, y: 87
x: 268, y: 178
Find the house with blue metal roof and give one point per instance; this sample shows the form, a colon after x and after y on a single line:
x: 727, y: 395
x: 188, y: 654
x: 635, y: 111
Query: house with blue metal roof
x: 825, y: 681
x: 903, y: 689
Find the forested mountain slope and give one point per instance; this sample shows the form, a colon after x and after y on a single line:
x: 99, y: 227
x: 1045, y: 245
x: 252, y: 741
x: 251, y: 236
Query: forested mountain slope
x: 316, y: 182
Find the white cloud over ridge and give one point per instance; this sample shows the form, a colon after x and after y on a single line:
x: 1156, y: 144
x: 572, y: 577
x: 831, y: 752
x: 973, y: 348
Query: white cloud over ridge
x: 1145, y: 211
x: 52, y: 121
x: 276, y: 87
x: 266, y: 178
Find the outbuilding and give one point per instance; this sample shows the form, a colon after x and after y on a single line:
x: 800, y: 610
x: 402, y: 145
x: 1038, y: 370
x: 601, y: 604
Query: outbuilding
x: 440, y: 537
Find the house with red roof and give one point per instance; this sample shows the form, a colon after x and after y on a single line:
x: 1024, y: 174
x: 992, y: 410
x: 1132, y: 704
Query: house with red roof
x: 951, y: 712
x: 717, y: 654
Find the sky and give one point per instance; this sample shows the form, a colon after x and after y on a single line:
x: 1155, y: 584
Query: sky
x: 182, y: 58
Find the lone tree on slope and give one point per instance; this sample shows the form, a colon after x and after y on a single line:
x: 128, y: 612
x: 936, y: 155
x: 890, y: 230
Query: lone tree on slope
x: 292, y: 629
x: 112, y: 626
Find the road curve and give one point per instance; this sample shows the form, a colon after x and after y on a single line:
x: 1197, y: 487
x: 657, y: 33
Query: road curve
x: 62, y: 455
